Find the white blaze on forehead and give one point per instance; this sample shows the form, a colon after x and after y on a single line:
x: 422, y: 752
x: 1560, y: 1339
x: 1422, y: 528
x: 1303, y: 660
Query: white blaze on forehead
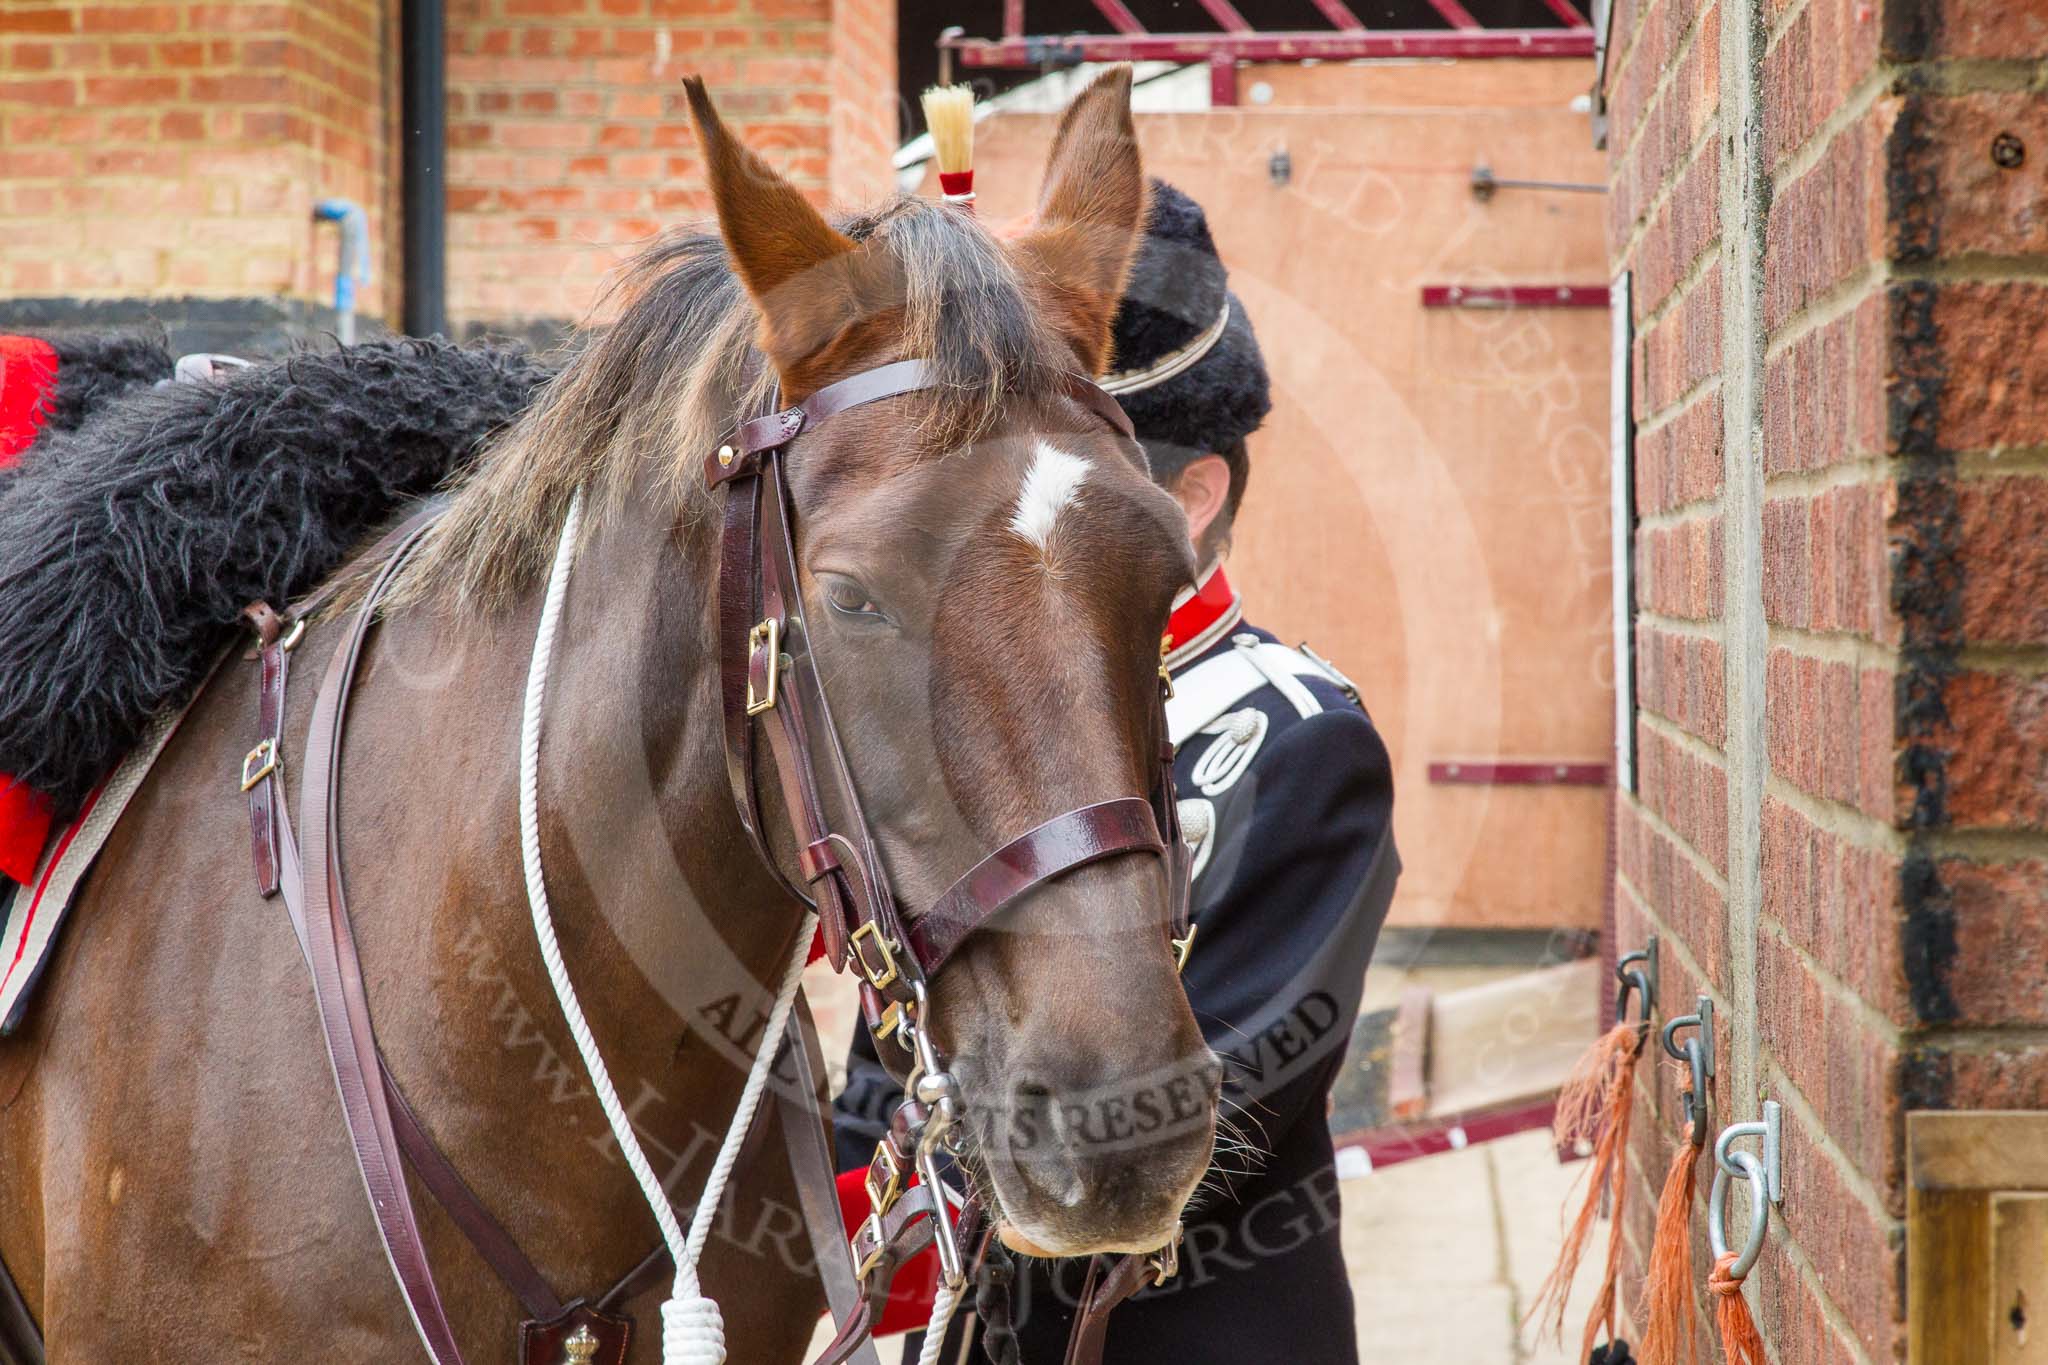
x: 1054, y: 478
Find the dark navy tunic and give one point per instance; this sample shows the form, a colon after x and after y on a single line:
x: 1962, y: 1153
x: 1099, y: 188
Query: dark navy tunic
x: 1293, y: 881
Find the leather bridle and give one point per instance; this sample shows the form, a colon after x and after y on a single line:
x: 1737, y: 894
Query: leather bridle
x: 771, y: 692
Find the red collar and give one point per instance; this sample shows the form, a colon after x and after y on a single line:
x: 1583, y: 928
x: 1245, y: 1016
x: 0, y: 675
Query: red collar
x: 1201, y: 617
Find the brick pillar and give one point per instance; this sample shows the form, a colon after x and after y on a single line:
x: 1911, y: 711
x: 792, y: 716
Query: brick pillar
x: 1830, y: 210
x: 162, y: 159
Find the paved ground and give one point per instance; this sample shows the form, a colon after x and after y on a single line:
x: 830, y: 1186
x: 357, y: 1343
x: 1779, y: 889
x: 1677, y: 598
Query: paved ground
x: 1446, y: 1253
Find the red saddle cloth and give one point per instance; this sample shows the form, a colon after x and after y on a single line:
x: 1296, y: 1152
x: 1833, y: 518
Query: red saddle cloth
x: 28, y: 372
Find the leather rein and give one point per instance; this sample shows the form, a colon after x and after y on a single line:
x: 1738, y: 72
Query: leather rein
x: 771, y: 692
x: 771, y: 695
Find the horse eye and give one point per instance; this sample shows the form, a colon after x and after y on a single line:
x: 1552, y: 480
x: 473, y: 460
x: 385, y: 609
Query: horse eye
x: 850, y: 599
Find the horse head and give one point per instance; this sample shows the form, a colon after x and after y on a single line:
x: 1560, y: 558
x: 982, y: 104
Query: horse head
x: 986, y: 570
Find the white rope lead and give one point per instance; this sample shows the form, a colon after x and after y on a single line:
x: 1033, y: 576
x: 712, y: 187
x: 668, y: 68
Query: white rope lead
x: 692, y: 1332
x: 943, y: 1305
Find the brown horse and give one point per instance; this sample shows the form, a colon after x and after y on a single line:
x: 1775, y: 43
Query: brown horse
x: 986, y: 572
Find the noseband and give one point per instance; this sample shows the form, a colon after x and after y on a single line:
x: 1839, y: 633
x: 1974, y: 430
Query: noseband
x: 771, y: 691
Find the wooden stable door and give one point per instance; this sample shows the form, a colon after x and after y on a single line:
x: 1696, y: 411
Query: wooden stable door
x: 1977, y: 1238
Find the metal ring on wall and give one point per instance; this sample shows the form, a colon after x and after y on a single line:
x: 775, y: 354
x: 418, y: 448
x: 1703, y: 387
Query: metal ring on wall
x: 1748, y: 1168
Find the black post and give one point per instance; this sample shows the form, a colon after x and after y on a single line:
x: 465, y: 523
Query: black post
x: 424, y: 114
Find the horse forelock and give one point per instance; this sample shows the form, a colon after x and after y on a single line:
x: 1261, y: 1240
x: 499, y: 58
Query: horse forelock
x: 648, y: 393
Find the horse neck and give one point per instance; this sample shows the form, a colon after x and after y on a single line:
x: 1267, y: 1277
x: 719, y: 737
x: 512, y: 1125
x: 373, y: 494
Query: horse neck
x: 667, y: 926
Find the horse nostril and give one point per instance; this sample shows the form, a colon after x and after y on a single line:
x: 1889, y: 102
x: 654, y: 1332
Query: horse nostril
x: 1033, y: 1115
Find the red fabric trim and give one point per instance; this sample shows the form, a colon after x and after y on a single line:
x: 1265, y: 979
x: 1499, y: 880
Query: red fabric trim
x: 915, y: 1286
x: 24, y: 829
x: 28, y: 924
x: 1211, y: 602
x: 28, y: 373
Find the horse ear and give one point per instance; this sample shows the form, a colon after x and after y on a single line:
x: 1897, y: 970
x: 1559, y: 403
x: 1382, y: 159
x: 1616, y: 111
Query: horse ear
x: 1089, y: 214
x: 795, y: 266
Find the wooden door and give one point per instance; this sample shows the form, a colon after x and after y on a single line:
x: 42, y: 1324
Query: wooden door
x: 1977, y: 1238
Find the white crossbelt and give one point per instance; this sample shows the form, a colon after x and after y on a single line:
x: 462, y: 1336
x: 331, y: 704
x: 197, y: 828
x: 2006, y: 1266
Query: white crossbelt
x: 1214, y: 686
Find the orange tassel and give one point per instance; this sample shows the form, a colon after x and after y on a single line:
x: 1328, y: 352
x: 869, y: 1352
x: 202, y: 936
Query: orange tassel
x: 1740, y: 1342
x: 1596, y: 1104
x: 1669, y: 1316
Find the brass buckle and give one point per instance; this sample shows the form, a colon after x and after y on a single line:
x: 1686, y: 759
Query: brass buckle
x: 891, y: 1019
x: 769, y: 634
x: 259, y: 763
x: 884, y: 1160
x: 870, y: 1228
x: 1165, y: 677
x: 881, y: 976
x: 291, y: 638
x: 1182, y: 947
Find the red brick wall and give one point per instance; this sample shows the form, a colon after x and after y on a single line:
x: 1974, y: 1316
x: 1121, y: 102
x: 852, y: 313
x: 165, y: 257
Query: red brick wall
x: 1841, y: 824
x: 162, y: 148
x: 177, y: 148
x: 570, y: 144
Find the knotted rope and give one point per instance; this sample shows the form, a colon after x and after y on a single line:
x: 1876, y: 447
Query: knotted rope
x: 1740, y: 1341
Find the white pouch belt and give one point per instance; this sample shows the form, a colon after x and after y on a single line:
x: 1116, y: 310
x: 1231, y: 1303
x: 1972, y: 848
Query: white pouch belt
x: 1214, y: 686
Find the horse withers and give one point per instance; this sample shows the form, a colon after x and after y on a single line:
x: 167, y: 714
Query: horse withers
x: 984, y: 573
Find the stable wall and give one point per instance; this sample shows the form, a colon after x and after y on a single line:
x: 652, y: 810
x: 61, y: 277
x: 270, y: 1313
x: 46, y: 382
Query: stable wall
x: 569, y: 134
x: 151, y: 151
x: 1830, y: 211
x: 1428, y: 501
x: 161, y: 158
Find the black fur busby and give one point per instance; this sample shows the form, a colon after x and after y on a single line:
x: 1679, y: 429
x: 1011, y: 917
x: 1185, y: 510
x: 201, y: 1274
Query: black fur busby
x: 1178, y: 290
x: 129, y: 546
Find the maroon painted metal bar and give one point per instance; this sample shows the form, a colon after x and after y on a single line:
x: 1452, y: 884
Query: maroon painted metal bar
x: 1567, y: 11
x: 1133, y: 45
x: 1514, y: 296
x: 1222, y: 82
x: 1397, y: 1143
x: 1226, y: 15
x: 1013, y: 19
x: 1455, y: 14
x: 1491, y: 773
x: 1340, y: 16
x: 1115, y: 11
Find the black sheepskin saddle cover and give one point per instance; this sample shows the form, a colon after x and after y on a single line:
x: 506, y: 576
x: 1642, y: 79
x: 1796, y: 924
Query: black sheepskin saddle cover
x: 130, y: 544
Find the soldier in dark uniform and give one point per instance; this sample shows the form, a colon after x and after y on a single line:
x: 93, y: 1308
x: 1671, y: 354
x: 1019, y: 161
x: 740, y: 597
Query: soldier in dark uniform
x: 1287, y: 800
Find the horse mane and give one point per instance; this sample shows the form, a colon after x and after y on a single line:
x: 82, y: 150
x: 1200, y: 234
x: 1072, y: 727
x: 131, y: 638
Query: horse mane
x: 647, y: 395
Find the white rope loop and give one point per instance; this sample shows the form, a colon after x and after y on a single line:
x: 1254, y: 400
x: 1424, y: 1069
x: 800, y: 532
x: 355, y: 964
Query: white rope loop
x: 692, y: 1332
